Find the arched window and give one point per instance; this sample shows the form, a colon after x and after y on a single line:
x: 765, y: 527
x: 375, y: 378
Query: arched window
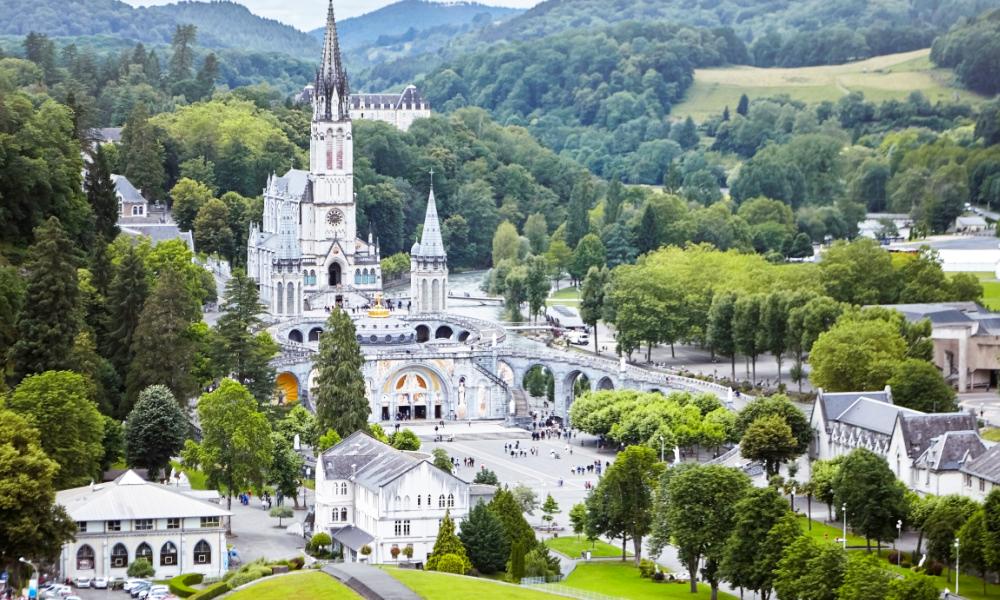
x: 451, y: 500
x: 144, y: 551
x: 202, y: 553
x: 340, y: 148
x: 343, y: 489
x: 329, y: 150
x: 335, y: 515
x: 406, y: 502
x: 343, y: 514
x: 281, y: 298
x: 428, y: 500
x: 168, y: 555
x: 85, y: 558
x: 119, y: 556
x: 419, y: 498
x: 290, y: 304
x: 399, y: 502
x: 357, y: 277
x: 441, y: 501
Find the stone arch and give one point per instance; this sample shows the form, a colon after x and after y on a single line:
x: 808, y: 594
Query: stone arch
x: 295, y: 336
x: 423, y: 333
x: 529, y: 384
x: 286, y: 388
x: 314, y: 334
x: 575, y: 379
x: 605, y: 383
x: 505, y: 372
x: 443, y: 332
x: 464, y: 336
x: 85, y: 558
x: 335, y: 274
x: 417, y: 391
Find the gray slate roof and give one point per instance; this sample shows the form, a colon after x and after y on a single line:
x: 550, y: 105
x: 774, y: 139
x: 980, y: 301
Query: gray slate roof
x: 352, y: 537
x: 372, y: 463
x: 131, y: 497
x: 127, y: 192
x: 919, y: 430
x: 985, y: 466
x: 835, y: 404
x: 159, y: 232
x: 409, y: 99
x: 947, y: 452
x: 431, y: 245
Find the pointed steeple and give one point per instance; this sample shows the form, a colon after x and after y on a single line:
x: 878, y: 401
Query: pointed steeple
x: 431, y: 245
x: 331, y: 93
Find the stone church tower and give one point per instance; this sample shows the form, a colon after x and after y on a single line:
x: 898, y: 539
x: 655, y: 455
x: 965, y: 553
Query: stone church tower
x: 429, y: 265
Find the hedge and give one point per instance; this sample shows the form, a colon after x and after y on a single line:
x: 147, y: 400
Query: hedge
x: 181, y: 584
x: 213, y: 591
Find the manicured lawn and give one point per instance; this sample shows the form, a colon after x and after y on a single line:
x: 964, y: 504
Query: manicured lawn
x: 991, y: 433
x: 295, y: 585
x: 568, y: 295
x: 622, y: 580
x: 970, y: 586
x: 442, y: 586
x: 572, y: 546
x: 824, y: 532
x: 197, y: 478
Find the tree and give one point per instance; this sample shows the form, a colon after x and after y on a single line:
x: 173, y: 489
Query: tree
x: 624, y: 497
x: 126, y: 298
x: 48, y: 322
x: 244, y: 356
x: 972, y: 536
x: 341, y: 400
x: 442, y: 460
x: 720, y: 327
x: 281, y: 513
x: 285, y: 471
x: 774, y: 325
x: 506, y: 243
x: 164, y: 330
x: 859, y: 272
x: 747, y: 327
x: 696, y: 514
x: 328, y: 440
x: 405, y: 440
x: 769, y: 439
x: 182, y: 58
x: 991, y: 532
x: 61, y: 404
x: 515, y: 527
x: 864, y: 578
x: 236, y: 448
x: 206, y: 77
x: 919, y: 385
x: 537, y: 285
x: 559, y: 257
x: 950, y: 513
x: 914, y: 586
x: 320, y: 540
x: 811, y: 570
x: 744, y: 563
x: 592, y: 298
x: 515, y: 566
x: 589, y: 253
x: 143, y: 154
x: 537, y: 231
x: 822, y: 475
x: 298, y: 421
x: 743, y: 106
x: 873, y: 495
x: 781, y: 406
x: 212, y: 233
x: 447, y: 543
x: 101, y: 195
x: 578, y: 517
x: 581, y: 199
x: 155, y: 430
x: 483, y: 537
x: 856, y: 354
x: 550, y: 508
x: 112, y: 441
x: 486, y: 476
x: 188, y: 197
x: 33, y: 525
x: 647, y: 235
x: 141, y: 568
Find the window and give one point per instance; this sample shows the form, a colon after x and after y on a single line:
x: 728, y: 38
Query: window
x: 428, y: 500
x: 202, y: 553
x: 982, y: 485
x: 441, y: 501
x: 398, y: 528
x: 113, y: 526
x: 143, y: 524
x: 406, y: 527
x: 119, y: 556
x: 343, y: 514
x: 81, y: 527
x: 419, y: 498
x: 173, y: 523
x: 343, y: 489
x: 168, y: 554
x: 336, y: 515
x: 210, y: 521
x: 451, y: 500
x: 968, y: 481
x: 144, y: 551
x: 85, y: 558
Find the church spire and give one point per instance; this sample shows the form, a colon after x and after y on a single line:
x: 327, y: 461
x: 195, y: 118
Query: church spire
x: 331, y: 95
x: 431, y: 245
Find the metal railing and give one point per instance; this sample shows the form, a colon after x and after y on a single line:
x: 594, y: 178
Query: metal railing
x: 564, y: 590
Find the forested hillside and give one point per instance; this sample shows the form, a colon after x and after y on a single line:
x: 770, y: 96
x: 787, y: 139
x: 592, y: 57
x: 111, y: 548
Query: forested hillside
x: 221, y: 24
x: 973, y: 50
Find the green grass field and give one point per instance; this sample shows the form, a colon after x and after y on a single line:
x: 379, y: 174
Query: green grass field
x: 572, y: 546
x: 622, y: 581
x: 880, y: 78
x: 823, y: 532
x: 443, y: 586
x: 296, y: 585
x: 568, y: 295
x: 991, y: 433
x: 197, y: 478
x: 970, y: 586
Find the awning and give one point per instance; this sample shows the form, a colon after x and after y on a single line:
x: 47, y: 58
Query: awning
x: 352, y: 537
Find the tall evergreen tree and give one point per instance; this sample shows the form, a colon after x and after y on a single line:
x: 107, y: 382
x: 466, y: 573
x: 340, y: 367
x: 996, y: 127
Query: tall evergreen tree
x: 511, y: 515
x: 245, y: 356
x: 647, y: 235
x: 207, y: 75
x: 744, y: 105
x: 101, y: 195
x: 581, y: 199
x: 48, y: 322
x: 484, y: 541
x: 126, y: 298
x: 447, y: 543
x: 182, y: 59
x: 154, y: 431
x: 143, y: 154
x: 162, y: 345
x: 341, y: 403
x: 613, y: 202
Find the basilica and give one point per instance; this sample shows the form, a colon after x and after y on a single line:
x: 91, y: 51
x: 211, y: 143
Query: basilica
x: 307, y: 253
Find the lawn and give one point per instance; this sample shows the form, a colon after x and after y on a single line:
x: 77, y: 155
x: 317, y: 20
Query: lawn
x: 823, y: 532
x: 622, y: 580
x: 879, y: 78
x: 442, y: 586
x: 567, y: 295
x: 196, y: 477
x: 573, y: 546
x: 991, y: 288
x: 296, y: 585
x: 990, y: 433
x: 970, y: 586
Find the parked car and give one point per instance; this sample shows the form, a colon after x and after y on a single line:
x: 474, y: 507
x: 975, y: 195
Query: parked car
x: 100, y: 583
x: 132, y: 582
x: 72, y: 598
x: 140, y: 587
x: 153, y: 590
x: 82, y: 581
x: 58, y: 591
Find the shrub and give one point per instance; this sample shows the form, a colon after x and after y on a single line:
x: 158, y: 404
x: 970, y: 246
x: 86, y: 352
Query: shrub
x: 296, y: 563
x: 934, y: 568
x: 141, y: 567
x: 229, y: 575
x: 213, y: 591
x: 658, y: 576
x: 243, y: 578
x: 366, y: 550
x: 181, y: 584
x: 646, y: 568
x: 451, y: 563
x: 408, y: 551
x: 394, y: 551
x: 905, y: 563
x: 321, y: 540
x: 893, y: 557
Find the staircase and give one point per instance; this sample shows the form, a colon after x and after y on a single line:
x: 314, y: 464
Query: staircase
x: 482, y: 364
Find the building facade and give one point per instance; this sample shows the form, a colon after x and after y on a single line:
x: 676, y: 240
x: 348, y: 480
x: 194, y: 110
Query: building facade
x: 370, y: 494
x: 131, y: 518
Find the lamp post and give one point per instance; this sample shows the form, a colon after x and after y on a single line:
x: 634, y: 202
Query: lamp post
x: 34, y: 570
x: 661, y: 448
x: 899, y: 534
x: 956, y: 566
x: 843, y: 510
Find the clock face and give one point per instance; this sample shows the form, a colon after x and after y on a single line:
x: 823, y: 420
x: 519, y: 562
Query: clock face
x: 335, y: 217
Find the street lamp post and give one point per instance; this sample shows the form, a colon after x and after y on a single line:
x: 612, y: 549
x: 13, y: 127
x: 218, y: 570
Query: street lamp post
x: 843, y: 510
x: 34, y: 570
x: 956, y: 566
x: 661, y: 448
x: 899, y: 535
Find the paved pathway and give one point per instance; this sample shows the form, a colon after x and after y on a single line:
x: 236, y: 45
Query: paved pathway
x: 370, y: 582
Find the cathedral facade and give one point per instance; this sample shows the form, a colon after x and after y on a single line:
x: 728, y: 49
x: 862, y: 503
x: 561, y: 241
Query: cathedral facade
x: 306, y: 254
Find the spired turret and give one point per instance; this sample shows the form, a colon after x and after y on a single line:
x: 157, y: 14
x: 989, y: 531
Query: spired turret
x: 429, y: 264
x: 331, y: 98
